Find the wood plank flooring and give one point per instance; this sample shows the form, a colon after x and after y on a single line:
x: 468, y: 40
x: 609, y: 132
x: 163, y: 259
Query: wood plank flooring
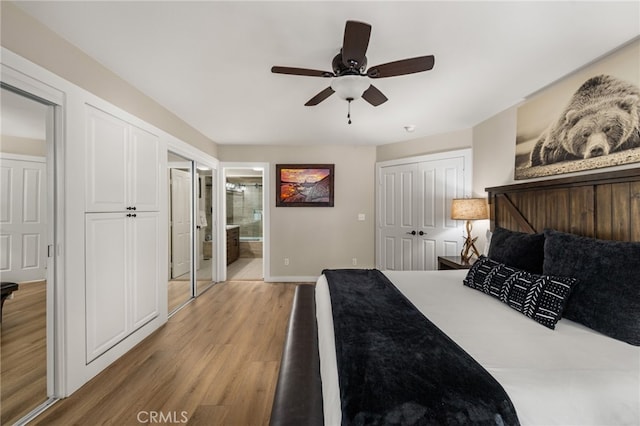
x: 178, y: 292
x: 245, y: 269
x: 23, y: 352
x: 214, y: 363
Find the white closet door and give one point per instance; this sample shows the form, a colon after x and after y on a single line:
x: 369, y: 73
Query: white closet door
x: 397, y: 217
x: 414, y: 210
x: 23, y: 220
x: 106, y: 163
x: 144, y: 231
x: 439, y: 182
x: 107, y: 294
x: 144, y: 170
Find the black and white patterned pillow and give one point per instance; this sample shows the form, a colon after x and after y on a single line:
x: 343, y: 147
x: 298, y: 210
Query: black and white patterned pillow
x: 540, y: 297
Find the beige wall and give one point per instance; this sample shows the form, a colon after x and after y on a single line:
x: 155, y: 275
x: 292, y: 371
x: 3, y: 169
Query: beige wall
x: 493, y: 146
x: 314, y: 238
x: 493, y: 159
x: 27, y: 37
x: 22, y: 146
x: 427, y: 145
x: 494, y: 151
x: 492, y: 141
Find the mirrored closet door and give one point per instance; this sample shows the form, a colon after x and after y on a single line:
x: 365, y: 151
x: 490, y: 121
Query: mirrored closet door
x: 205, y: 247
x: 26, y: 229
x: 179, y: 287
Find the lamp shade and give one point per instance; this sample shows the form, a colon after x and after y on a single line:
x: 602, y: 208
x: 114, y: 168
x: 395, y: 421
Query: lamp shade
x: 469, y: 209
x: 350, y: 86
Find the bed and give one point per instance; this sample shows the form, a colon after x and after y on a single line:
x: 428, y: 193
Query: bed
x: 584, y: 370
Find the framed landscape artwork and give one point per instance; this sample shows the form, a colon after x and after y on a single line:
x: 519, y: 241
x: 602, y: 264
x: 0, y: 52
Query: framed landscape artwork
x: 588, y: 120
x: 304, y: 185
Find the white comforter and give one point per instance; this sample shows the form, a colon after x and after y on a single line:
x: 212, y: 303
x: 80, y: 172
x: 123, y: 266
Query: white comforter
x: 567, y: 376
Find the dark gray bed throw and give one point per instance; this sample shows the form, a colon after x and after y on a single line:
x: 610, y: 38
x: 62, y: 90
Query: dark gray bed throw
x: 395, y: 367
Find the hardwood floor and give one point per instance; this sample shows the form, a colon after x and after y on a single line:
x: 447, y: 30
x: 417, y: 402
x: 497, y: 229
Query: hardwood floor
x: 178, y: 292
x: 23, y: 352
x: 245, y: 269
x: 214, y: 363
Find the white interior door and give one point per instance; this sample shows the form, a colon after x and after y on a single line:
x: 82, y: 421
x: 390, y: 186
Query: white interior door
x: 414, y: 210
x: 439, y: 182
x: 23, y: 219
x: 180, y: 222
x: 397, y: 220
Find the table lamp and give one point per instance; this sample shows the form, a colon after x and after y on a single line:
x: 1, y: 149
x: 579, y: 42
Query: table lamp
x: 469, y: 209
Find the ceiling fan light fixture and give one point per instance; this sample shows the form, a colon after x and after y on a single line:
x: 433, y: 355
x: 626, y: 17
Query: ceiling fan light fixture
x: 350, y: 78
x: 350, y: 86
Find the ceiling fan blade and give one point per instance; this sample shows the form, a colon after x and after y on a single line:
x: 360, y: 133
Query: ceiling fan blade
x: 355, y: 43
x: 320, y: 97
x: 374, y: 96
x: 301, y: 71
x: 402, y: 67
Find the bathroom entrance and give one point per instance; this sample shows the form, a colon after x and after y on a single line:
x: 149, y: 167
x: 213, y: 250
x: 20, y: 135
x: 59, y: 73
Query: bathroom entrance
x: 244, y: 200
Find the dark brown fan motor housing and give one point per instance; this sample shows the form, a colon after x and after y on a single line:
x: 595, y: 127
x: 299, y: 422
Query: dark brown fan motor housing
x: 352, y: 61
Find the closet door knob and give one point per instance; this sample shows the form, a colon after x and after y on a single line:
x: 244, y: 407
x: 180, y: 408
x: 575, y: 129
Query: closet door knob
x: 422, y: 233
x: 412, y: 232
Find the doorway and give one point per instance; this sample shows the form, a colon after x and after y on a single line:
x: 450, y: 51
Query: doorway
x: 27, y: 256
x: 245, y: 222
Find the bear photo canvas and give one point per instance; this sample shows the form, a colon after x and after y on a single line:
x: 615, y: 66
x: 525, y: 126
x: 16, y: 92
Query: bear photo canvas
x: 588, y: 120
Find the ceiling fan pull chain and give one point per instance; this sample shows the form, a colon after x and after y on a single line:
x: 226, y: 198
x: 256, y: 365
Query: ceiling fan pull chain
x: 349, y: 110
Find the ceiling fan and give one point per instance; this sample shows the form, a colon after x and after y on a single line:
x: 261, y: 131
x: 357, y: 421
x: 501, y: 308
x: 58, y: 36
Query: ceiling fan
x: 349, y: 78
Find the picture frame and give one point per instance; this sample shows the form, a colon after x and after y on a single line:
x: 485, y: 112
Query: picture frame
x: 304, y: 185
x: 588, y: 120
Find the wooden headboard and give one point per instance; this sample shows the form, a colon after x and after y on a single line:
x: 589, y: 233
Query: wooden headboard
x: 602, y: 205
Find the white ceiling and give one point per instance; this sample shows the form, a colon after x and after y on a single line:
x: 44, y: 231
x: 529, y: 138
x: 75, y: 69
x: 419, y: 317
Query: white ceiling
x: 209, y: 62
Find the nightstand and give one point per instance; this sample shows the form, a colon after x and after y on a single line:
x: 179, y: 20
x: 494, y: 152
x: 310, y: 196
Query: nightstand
x: 453, y: 262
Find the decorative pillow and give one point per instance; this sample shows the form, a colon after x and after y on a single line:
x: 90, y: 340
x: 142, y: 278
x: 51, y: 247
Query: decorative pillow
x: 518, y: 249
x: 539, y: 297
x: 607, y: 297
